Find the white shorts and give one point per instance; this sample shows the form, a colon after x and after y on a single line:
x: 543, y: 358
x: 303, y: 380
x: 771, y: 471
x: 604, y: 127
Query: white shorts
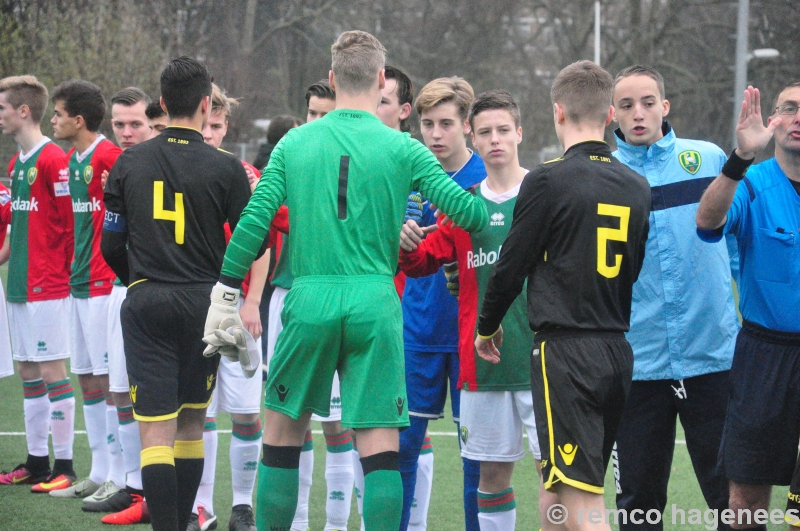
x: 117, y: 371
x: 88, y: 331
x: 6, y: 358
x: 273, y: 329
x: 39, y: 330
x: 491, y: 425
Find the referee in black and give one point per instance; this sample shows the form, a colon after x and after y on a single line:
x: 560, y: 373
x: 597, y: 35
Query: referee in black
x: 167, y: 200
x: 578, y: 236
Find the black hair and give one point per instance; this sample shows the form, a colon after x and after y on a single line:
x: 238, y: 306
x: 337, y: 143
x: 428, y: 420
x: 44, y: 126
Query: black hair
x: 82, y: 98
x: 405, y: 91
x: 154, y: 111
x: 321, y: 89
x: 184, y: 84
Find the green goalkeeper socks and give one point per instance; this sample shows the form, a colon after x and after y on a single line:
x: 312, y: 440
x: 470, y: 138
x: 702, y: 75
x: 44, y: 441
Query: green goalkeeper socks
x: 276, y: 498
x: 383, y: 500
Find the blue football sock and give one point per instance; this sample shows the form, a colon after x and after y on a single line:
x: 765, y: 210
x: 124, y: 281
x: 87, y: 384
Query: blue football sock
x: 410, y: 446
x: 472, y: 476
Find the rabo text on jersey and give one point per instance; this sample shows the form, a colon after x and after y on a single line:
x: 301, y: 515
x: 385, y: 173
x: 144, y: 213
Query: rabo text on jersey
x: 25, y: 206
x: 87, y: 206
x: 481, y: 259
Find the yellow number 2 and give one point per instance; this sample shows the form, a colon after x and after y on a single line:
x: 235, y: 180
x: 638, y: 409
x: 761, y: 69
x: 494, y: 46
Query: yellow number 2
x: 605, y: 234
x: 176, y: 215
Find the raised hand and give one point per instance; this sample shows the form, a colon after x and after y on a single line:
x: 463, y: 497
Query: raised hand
x: 751, y: 134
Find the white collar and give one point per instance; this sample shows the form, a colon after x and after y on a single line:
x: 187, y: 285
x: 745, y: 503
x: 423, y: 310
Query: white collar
x: 81, y: 156
x: 23, y: 157
x: 494, y: 197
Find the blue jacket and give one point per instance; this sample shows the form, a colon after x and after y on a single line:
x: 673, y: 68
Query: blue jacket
x: 683, y: 319
x: 430, y: 313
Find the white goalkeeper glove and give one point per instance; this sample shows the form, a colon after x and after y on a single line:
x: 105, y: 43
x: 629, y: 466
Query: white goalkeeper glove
x: 224, y: 305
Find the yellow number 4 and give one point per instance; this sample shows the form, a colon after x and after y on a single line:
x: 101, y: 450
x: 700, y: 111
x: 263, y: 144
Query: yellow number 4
x: 605, y: 234
x: 176, y: 215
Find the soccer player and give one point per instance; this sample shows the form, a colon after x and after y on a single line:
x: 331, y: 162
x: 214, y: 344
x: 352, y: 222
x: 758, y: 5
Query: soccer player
x: 495, y: 399
x: 339, y: 475
x: 760, y: 205
x: 38, y: 285
x: 683, y: 320
x: 157, y: 118
x: 235, y: 393
x: 430, y: 312
x: 320, y: 100
x: 578, y: 235
x: 122, y: 492
x: 79, y: 109
x: 346, y: 180
x: 167, y: 201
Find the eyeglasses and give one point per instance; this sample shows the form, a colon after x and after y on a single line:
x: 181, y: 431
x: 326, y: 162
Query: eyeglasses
x: 787, y: 109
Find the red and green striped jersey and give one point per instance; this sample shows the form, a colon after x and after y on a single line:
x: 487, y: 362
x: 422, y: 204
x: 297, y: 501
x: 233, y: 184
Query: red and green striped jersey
x: 41, y: 228
x: 5, y: 212
x: 91, y: 276
x: 476, y: 254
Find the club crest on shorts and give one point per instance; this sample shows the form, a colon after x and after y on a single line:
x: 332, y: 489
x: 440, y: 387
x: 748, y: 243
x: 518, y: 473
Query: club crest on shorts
x: 134, y: 388
x: 32, y: 173
x: 88, y: 173
x: 464, y: 434
x: 690, y: 161
x: 399, y: 403
x: 209, y: 382
x: 568, y: 453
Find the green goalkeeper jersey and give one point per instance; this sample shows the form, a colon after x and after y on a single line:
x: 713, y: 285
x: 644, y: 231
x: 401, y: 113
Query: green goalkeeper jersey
x: 346, y: 179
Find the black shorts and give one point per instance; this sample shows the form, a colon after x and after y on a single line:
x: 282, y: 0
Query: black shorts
x: 762, y: 427
x: 162, y: 329
x: 579, y: 380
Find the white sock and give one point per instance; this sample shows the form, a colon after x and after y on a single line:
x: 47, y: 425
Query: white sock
x: 62, y: 417
x: 358, y: 482
x: 492, y: 519
x: 94, y: 414
x: 205, y: 492
x: 300, y: 522
x: 339, y: 477
x: 36, y: 408
x: 244, y: 454
x: 131, y: 444
x: 116, y: 470
x: 422, y: 492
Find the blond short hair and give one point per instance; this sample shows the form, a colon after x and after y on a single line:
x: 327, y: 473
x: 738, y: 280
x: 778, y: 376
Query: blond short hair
x: 585, y: 91
x: 26, y: 90
x: 356, y: 59
x: 445, y: 90
x: 221, y: 102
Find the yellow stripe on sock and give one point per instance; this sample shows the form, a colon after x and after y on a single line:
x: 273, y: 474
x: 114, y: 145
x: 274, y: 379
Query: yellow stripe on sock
x: 189, y: 449
x: 157, y: 455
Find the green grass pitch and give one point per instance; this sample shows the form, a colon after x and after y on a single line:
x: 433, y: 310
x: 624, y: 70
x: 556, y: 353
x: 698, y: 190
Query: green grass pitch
x: 21, y: 510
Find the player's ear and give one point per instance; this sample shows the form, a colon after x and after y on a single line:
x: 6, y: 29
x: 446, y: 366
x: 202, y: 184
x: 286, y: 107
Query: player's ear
x: 163, y: 105
x: 24, y: 111
x: 405, y: 111
x: 558, y: 113
x: 331, y: 80
x: 616, y: 120
x: 610, y: 115
x: 382, y: 78
x: 665, y: 108
x: 519, y: 134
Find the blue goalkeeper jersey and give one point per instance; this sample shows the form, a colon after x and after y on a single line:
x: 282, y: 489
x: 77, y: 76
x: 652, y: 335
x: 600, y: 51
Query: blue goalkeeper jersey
x: 430, y: 313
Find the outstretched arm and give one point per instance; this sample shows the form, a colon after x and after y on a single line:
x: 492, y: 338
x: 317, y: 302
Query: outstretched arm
x: 752, y: 136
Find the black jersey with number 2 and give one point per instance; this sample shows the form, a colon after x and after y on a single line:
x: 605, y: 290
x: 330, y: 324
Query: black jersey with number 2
x: 176, y: 193
x: 578, y: 235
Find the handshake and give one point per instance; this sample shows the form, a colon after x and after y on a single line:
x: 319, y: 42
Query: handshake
x: 225, y: 334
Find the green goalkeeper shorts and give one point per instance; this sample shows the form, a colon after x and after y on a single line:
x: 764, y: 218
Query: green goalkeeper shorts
x: 350, y: 324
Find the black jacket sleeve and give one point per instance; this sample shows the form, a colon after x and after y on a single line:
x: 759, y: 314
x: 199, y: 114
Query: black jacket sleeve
x: 524, y: 247
x: 113, y: 245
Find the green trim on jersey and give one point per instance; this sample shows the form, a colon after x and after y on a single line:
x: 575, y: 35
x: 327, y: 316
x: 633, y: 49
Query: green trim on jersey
x: 21, y: 204
x: 80, y: 175
x: 513, y: 374
x: 349, y: 177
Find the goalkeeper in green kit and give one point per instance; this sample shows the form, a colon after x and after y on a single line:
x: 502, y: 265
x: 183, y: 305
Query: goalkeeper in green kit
x: 346, y: 180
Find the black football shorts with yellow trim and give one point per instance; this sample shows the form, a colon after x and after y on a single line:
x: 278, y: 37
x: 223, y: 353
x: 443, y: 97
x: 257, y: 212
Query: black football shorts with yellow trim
x: 162, y: 330
x: 579, y: 381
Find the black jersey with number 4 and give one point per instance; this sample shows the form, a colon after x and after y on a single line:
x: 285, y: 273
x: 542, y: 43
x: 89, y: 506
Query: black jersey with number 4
x: 176, y: 193
x: 578, y: 235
